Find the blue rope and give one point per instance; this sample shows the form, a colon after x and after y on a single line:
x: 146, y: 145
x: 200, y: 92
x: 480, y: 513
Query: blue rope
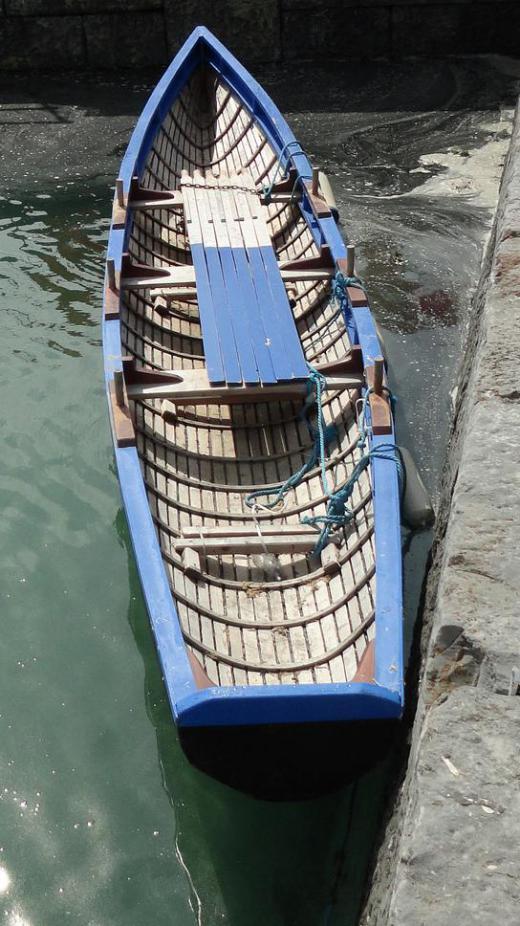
x: 337, y: 513
x: 362, y: 419
x: 267, y: 190
x: 318, y: 380
x: 339, y: 288
x: 322, y: 436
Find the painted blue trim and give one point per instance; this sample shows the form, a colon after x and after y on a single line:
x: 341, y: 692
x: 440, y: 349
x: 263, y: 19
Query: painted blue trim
x: 259, y: 339
x: 389, y: 591
x: 217, y: 369
x: 285, y: 346
x: 158, y: 104
x: 250, y: 337
x: 288, y: 704
x: 178, y: 676
x: 272, y: 703
x: 387, y: 531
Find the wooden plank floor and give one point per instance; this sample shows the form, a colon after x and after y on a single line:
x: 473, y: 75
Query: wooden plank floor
x: 248, y: 619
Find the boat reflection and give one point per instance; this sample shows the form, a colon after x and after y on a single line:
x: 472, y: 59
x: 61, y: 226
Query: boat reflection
x: 249, y: 860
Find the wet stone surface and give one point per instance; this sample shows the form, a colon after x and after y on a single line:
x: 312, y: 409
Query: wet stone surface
x: 459, y: 859
x: 441, y: 862
x: 116, y: 825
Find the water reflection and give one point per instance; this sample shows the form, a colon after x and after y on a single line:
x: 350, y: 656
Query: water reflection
x: 102, y: 817
x: 248, y: 861
x: 5, y: 880
x: 60, y: 256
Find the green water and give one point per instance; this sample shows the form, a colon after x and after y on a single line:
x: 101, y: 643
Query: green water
x: 102, y: 821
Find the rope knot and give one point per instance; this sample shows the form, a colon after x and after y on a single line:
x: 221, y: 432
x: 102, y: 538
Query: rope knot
x: 339, y: 284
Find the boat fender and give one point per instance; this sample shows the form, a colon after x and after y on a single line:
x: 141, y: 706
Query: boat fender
x: 326, y: 190
x: 416, y: 507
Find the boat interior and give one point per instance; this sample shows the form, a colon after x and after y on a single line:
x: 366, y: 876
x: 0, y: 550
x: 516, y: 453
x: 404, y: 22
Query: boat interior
x: 226, y: 301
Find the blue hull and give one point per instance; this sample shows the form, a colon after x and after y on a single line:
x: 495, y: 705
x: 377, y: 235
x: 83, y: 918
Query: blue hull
x: 193, y: 706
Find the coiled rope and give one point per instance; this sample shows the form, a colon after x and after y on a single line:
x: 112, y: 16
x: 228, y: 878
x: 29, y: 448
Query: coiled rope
x: 339, y: 288
x: 337, y: 513
x: 321, y: 434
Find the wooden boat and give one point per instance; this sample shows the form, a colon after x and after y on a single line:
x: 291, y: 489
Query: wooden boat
x: 235, y: 338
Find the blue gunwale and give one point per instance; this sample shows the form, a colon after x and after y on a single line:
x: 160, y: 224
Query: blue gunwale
x: 271, y: 703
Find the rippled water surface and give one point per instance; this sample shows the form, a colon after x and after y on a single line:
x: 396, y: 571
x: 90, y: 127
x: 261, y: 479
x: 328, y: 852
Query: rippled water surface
x: 102, y: 821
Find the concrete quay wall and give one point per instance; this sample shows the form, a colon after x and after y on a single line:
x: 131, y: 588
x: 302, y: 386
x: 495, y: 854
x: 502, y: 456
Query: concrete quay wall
x: 450, y: 853
x: 120, y: 34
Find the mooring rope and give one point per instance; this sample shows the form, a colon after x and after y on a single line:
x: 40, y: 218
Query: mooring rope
x: 339, y: 286
x: 322, y: 435
x: 337, y: 513
x: 267, y: 190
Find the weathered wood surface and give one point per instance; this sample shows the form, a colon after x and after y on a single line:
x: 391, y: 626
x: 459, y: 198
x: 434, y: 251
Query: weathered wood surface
x: 250, y: 617
x: 193, y: 386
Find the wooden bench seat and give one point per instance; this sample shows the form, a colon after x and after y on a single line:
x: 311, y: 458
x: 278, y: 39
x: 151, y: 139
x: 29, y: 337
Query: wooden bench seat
x: 294, y: 538
x: 193, y: 387
x: 247, y: 541
x: 248, y: 328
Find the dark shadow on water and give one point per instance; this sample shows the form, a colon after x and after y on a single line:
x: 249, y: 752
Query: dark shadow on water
x: 247, y: 860
x: 407, y: 86
x: 289, y: 863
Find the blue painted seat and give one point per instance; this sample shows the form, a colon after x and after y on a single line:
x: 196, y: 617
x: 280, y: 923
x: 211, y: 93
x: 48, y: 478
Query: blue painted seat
x: 248, y: 327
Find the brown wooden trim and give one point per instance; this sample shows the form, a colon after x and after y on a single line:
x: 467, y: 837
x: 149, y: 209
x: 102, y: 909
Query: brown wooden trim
x: 133, y: 375
x: 350, y: 363
x: 111, y: 304
x: 122, y: 422
x: 201, y: 679
x: 357, y: 297
x: 366, y: 669
x: 286, y: 184
x: 318, y: 204
x: 380, y: 410
x: 141, y: 198
x: 118, y: 213
x: 321, y: 261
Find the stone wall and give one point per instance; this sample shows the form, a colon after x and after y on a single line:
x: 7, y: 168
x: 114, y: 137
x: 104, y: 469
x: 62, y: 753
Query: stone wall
x: 115, y: 34
x: 450, y: 853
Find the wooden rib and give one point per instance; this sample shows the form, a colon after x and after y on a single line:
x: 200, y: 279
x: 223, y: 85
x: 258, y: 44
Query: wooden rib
x: 297, y: 509
x: 246, y: 487
x: 184, y: 461
x: 289, y: 667
x: 271, y: 625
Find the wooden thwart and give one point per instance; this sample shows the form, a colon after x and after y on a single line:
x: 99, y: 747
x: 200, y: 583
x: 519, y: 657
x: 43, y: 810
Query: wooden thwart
x: 140, y: 198
x: 246, y: 541
x: 192, y: 387
x: 248, y: 545
x: 171, y: 282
